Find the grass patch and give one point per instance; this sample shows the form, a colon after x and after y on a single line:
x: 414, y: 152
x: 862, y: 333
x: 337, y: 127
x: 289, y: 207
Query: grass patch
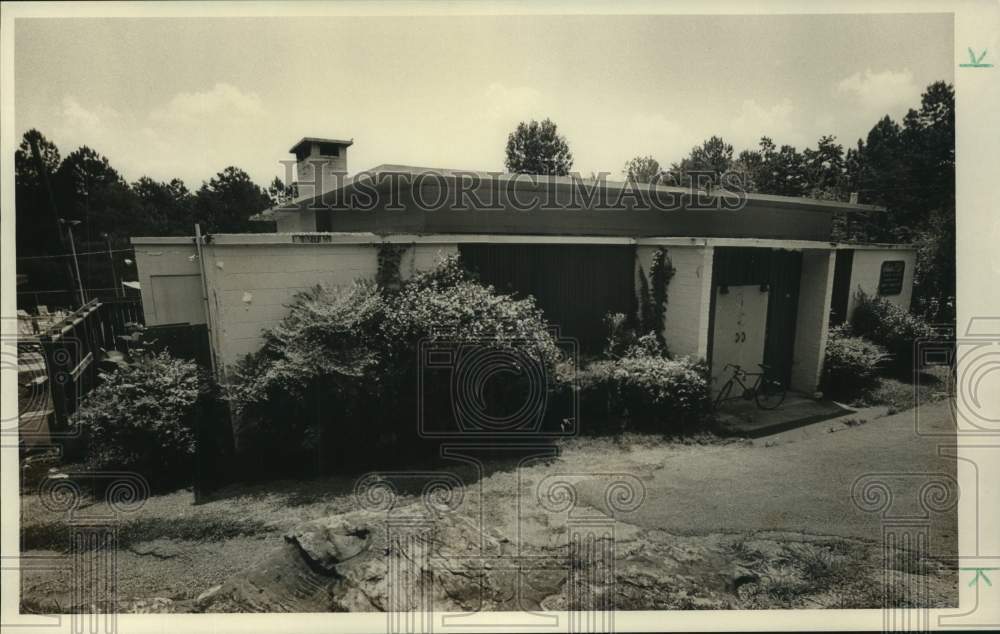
x: 798, y: 574
x: 905, y: 392
x: 834, y: 574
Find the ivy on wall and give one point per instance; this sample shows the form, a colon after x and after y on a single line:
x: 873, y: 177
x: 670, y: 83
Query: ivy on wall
x: 388, y: 275
x: 653, y: 294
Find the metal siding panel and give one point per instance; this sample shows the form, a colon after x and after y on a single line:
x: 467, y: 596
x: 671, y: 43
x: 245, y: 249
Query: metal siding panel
x: 574, y: 285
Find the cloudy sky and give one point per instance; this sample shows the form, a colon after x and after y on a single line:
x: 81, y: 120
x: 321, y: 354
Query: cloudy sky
x: 187, y: 97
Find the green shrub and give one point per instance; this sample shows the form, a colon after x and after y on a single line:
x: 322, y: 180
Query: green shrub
x: 852, y: 363
x: 342, y: 368
x: 646, y: 392
x: 623, y: 341
x: 141, y: 418
x: 890, y: 326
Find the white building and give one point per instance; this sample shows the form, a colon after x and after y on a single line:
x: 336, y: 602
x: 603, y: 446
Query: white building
x: 756, y: 276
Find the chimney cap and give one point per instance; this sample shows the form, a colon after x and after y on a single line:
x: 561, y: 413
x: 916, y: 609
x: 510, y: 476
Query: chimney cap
x: 309, y: 140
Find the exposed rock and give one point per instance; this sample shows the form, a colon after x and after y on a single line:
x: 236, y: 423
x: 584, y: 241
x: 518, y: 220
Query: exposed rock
x: 418, y: 559
x: 153, y: 605
x: 368, y: 561
x: 206, y: 596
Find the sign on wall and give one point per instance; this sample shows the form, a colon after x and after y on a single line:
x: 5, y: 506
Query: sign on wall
x: 890, y: 279
x: 740, y: 325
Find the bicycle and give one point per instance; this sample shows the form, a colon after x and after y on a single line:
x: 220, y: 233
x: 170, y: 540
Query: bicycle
x: 767, y: 392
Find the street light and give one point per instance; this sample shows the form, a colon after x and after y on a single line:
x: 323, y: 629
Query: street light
x: 69, y: 224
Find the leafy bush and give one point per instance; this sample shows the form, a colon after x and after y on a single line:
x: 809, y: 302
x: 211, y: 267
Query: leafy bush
x: 141, y: 418
x: 342, y: 367
x: 647, y: 392
x: 851, y: 364
x: 623, y: 340
x: 890, y: 326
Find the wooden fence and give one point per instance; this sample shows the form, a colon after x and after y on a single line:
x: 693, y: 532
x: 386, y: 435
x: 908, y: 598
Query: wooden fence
x: 72, y: 347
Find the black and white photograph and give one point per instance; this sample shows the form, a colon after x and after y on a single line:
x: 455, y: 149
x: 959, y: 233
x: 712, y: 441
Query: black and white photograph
x: 472, y: 316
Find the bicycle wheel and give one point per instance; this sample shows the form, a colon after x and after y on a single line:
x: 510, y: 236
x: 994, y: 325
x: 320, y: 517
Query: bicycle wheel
x: 770, y: 394
x: 723, y: 394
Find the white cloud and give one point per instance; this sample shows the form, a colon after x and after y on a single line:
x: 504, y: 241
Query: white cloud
x: 222, y: 100
x: 881, y: 91
x: 655, y: 135
x: 77, y: 117
x: 506, y: 102
x: 192, y: 135
x: 754, y: 116
x: 780, y: 121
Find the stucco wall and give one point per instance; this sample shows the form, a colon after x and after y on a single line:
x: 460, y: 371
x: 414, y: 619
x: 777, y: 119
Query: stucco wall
x: 250, y: 284
x: 686, y: 320
x: 169, y: 277
x: 813, y: 319
x: 866, y: 268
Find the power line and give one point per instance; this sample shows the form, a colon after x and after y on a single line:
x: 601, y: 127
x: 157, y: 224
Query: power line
x: 69, y: 255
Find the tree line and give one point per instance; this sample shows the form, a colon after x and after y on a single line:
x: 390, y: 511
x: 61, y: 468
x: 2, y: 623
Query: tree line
x: 83, y: 193
x: 83, y: 186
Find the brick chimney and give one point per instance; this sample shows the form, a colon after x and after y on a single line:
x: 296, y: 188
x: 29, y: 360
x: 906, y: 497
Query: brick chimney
x: 321, y: 164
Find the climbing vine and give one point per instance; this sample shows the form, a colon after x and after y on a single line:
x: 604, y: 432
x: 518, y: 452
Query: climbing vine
x: 653, y: 294
x: 390, y: 255
x: 645, y: 314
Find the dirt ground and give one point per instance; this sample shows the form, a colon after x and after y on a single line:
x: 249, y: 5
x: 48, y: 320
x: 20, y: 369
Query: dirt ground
x: 708, y: 506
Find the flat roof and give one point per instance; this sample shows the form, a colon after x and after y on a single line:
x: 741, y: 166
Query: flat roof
x: 528, y: 182
x: 364, y: 237
x: 315, y: 139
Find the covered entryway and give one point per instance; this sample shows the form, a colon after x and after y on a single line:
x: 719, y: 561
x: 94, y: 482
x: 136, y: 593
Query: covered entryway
x: 576, y: 285
x: 755, y: 297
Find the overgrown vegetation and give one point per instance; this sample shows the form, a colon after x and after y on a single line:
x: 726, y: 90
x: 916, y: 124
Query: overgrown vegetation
x: 388, y: 274
x: 870, y: 361
x: 852, y: 363
x: 637, y: 386
x: 888, y: 325
x: 653, y: 294
x: 341, y: 371
x: 142, y: 418
x: 649, y: 392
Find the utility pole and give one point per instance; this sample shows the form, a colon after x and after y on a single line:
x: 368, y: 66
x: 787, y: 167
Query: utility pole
x: 76, y: 264
x: 114, y: 273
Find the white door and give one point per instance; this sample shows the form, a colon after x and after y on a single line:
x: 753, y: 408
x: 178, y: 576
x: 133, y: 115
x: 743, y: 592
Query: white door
x: 740, y: 323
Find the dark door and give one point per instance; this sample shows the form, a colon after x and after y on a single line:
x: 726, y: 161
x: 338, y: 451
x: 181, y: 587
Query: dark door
x: 841, y: 286
x: 782, y: 310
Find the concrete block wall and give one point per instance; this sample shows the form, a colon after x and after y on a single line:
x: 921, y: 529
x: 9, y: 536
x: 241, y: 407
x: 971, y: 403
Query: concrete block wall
x: 813, y: 320
x: 866, y: 270
x: 685, y: 327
